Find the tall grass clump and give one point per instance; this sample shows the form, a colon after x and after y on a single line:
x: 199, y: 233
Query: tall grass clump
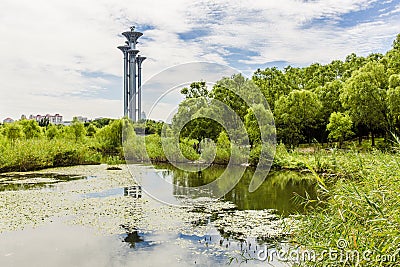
x: 360, y: 218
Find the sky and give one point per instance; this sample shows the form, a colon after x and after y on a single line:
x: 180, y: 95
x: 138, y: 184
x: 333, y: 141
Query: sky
x: 60, y: 56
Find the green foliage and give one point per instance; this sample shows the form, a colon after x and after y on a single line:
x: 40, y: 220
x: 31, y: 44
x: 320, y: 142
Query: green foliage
x: 208, y: 151
x: 154, y: 148
x: 364, y: 96
x: 235, y: 92
x: 153, y: 127
x: 100, y: 123
x: 339, y: 127
x: 252, y: 127
x: 110, y: 136
x: 329, y: 95
x: 259, y: 124
x: 351, y: 64
x: 12, y: 131
x: 296, y: 115
x: 193, y: 119
x: 77, y: 129
x: 32, y: 154
x: 223, y: 152
x: 272, y: 83
x: 196, y: 89
x: 91, y: 130
x: 188, y: 150
x: 30, y: 128
x: 361, y: 208
x: 392, y: 57
x: 393, y: 100
x: 52, y: 132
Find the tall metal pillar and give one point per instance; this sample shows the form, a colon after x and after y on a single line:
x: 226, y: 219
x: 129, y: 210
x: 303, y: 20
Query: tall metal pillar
x: 130, y: 92
x: 132, y: 83
x: 139, y: 61
x: 124, y: 50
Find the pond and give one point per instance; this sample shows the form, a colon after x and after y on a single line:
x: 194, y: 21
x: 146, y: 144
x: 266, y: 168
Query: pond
x: 91, y: 216
x: 282, y: 191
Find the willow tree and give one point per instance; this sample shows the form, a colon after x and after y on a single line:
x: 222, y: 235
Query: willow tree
x: 364, y: 96
x: 339, y: 127
x: 296, y: 115
x: 393, y: 100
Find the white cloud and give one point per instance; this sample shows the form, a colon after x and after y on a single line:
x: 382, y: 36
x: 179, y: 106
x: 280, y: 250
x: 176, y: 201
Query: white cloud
x: 46, y: 47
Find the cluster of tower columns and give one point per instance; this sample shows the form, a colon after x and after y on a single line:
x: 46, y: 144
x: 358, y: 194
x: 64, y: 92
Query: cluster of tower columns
x: 132, y: 81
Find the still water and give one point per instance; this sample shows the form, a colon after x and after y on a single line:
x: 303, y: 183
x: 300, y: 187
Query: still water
x: 282, y: 191
x: 56, y: 243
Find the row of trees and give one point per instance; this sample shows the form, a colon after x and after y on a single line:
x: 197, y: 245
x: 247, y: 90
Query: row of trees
x: 360, y: 95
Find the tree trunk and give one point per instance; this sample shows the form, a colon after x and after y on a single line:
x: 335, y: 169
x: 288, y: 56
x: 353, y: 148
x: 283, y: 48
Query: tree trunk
x: 360, y: 139
x: 372, y: 139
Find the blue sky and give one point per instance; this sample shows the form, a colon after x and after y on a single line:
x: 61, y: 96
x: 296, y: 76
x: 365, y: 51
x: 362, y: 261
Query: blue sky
x: 60, y: 56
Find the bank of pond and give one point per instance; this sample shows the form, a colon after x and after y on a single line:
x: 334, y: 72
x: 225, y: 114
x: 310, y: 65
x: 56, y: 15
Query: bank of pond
x: 343, y: 194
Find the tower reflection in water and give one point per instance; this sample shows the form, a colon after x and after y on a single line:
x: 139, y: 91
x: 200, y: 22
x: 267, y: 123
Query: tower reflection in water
x: 134, y: 191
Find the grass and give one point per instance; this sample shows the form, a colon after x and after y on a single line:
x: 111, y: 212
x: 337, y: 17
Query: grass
x: 361, y: 208
x: 34, y: 154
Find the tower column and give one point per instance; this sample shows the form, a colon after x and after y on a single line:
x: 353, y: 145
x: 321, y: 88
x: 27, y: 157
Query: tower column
x: 132, y: 82
x: 139, y: 60
x: 124, y: 50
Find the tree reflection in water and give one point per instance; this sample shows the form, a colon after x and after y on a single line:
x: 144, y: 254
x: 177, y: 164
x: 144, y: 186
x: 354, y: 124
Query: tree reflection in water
x: 281, y: 190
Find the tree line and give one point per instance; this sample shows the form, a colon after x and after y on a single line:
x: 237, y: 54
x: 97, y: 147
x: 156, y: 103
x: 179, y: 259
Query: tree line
x: 357, y: 97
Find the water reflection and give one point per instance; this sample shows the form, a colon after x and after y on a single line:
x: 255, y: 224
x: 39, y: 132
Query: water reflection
x: 133, y: 191
x: 25, y: 181
x: 281, y: 190
x: 137, y: 240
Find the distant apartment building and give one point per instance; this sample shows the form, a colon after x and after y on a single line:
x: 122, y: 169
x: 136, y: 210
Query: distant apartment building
x: 8, y: 120
x: 82, y: 119
x: 53, y: 119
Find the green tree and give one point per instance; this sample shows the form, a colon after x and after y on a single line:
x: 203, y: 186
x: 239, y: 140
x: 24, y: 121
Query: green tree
x: 339, y: 127
x: 30, y: 128
x: 13, y: 131
x: 329, y: 95
x: 229, y: 91
x: 77, y: 129
x: 335, y: 70
x: 52, y: 132
x: 272, y: 83
x: 91, y: 130
x: 195, y: 90
x: 153, y: 127
x: 393, y: 101
x: 223, y: 152
x: 196, y: 119
x: 296, y: 115
x: 364, y: 96
x: 111, y: 136
x: 233, y: 97
x: 44, y: 122
x: 259, y: 120
x: 351, y: 64
x: 294, y: 78
x: 100, y: 123
x: 392, y: 57
x: 317, y: 75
